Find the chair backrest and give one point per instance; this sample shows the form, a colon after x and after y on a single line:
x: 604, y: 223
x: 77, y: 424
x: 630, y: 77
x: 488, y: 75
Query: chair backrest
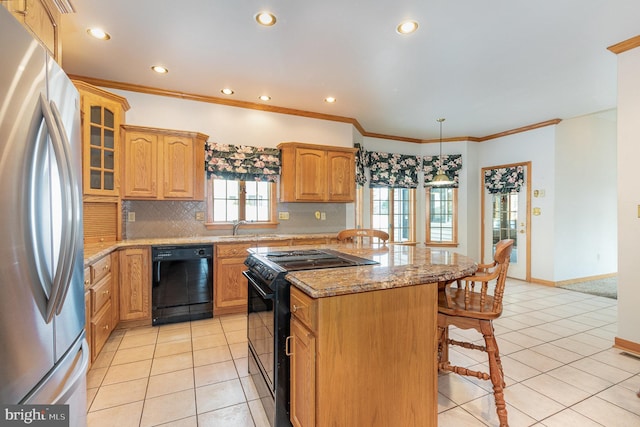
x: 352, y: 234
x: 495, y: 274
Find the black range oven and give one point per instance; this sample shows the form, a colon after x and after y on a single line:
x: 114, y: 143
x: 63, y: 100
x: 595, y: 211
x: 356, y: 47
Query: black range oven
x: 269, y: 316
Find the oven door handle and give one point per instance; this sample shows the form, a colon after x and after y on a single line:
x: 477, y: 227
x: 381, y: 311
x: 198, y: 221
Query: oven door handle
x: 256, y: 286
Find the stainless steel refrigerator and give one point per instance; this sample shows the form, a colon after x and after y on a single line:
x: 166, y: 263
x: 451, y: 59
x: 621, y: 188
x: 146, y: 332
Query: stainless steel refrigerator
x: 43, y: 350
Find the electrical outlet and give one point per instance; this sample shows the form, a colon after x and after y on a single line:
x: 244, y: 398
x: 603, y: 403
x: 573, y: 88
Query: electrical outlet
x: 199, y: 216
x: 131, y: 217
x: 323, y: 216
x: 283, y: 215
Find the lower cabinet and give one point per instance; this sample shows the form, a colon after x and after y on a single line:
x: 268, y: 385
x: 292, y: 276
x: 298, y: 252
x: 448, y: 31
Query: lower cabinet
x: 230, y: 286
x: 351, y: 355
x: 303, y: 375
x: 99, y: 315
x: 135, y: 283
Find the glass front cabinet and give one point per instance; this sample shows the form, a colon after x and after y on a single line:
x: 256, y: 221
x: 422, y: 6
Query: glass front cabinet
x: 102, y: 114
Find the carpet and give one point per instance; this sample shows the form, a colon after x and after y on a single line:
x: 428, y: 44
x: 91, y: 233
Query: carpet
x: 607, y: 287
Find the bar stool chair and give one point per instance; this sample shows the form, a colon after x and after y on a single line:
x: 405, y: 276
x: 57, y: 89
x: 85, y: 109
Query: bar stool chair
x: 475, y: 302
x: 359, y: 234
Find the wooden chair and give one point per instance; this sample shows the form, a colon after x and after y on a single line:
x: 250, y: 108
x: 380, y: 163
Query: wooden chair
x: 474, y: 303
x: 354, y: 234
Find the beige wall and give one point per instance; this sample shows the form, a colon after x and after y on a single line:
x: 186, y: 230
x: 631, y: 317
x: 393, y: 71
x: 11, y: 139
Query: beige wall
x: 629, y: 196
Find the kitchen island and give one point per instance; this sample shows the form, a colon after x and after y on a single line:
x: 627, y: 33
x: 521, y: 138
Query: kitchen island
x: 363, y: 339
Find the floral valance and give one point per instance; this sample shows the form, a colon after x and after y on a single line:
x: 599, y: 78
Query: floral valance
x: 361, y: 162
x: 504, y: 180
x: 392, y: 170
x: 241, y: 162
x: 451, y: 166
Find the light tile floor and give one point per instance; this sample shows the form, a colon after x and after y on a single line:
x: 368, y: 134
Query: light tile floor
x: 556, y: 347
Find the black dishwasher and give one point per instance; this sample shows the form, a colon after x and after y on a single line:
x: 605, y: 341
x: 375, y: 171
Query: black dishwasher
x: 182, y: 283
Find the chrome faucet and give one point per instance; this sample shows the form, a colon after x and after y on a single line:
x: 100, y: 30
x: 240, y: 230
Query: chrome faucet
x: 236, y: 225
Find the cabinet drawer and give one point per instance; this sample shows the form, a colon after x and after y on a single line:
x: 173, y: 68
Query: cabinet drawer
x: 100, y: 294
x: 101, y: 328
x: 100, y: 268
x: 304, y: 308
x: 233, y: 250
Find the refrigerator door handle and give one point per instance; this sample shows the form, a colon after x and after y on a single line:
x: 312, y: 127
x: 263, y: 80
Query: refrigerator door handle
x: 71, y: 244
x: 56, y: 285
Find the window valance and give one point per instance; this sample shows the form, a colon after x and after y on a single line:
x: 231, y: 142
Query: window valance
x: 242, y: 162
x: 451, y: 166
x: 361, y: 162
x: 392, y: 170
x: 504, y: 180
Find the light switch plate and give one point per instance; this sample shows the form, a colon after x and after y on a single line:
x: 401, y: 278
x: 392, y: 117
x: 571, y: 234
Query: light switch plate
x: 131, y: 217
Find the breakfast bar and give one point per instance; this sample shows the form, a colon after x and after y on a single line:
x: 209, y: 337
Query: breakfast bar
x: 362, y: 342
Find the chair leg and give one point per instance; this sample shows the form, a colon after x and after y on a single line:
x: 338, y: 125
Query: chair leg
x: 443, y: 346
x: 495, y: 371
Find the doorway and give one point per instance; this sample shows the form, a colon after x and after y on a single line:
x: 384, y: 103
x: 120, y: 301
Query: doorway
x: 506, y: 215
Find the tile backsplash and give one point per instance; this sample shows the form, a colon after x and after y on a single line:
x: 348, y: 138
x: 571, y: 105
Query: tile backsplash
x: 178, y: 219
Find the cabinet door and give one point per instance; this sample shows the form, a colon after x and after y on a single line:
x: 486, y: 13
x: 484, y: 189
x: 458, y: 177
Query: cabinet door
x: 230, y: 292
x: 179, y: 167
x: 341, y: 181
x: 303, y: 375
x: 100, y: 125
x: 135, y: 284
x: 311, y: 174
x: 140, y: 165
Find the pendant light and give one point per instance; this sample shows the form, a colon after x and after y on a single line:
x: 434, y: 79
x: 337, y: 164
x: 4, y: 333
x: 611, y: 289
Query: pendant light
x: 441, y: 178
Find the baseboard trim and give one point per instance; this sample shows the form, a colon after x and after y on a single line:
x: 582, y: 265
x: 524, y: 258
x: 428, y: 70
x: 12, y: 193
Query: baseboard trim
x: 626, y: 345
x: 572, y: 281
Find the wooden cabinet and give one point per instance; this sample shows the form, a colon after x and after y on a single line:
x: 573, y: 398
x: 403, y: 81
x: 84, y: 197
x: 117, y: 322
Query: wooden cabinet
x: 317, y: 173
x: 99, y: 302
x: 42, y: 18
x: 162, y: 164
x: 230, y: 286
x: 303, y: 365
x: 135, y: 283
x: 102, y: 113
x: 353, y: 354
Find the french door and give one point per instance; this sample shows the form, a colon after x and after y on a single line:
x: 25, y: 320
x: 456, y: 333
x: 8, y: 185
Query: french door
x: 507, y: 216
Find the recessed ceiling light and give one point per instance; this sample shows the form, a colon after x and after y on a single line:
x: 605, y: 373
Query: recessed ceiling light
x: 266, y: 18
x: 160, y: 69
x: 98, y: 33
x: 407, y: 27
x: 227, y: 91
x: 330, y: 99
x: 264, y: 98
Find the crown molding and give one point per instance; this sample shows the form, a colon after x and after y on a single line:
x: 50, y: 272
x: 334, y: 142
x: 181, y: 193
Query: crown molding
x: 294, y: 112
x: 625, y: 45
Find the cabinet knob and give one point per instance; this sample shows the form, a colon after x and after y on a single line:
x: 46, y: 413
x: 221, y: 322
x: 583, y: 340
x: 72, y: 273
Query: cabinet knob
x: 86, y: 282
x: 294, y: 308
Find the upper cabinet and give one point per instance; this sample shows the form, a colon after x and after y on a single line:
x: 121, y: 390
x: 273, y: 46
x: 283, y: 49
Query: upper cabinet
x: 42, y: 18
x: 162, y: 164
x: 102, y: 114
x: 317, y: 173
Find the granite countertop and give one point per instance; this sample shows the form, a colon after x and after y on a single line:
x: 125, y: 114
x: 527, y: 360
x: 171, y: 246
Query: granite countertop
x: 95, y: 251
x: 399, y: 265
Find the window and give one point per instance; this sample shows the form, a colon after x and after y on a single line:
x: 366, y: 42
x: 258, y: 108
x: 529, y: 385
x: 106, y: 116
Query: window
x: 231, y: 200
x: 393, y: 211
x: 442, y: 216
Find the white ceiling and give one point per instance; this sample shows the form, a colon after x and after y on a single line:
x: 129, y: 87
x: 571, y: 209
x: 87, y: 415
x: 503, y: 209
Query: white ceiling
x: 487, y: 66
